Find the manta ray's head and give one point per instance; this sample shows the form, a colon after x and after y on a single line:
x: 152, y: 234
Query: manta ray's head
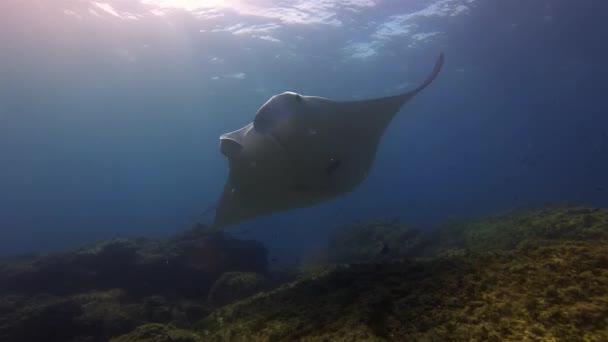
x: 273, y: 120
x: 246, y: 145
x: 278, y: 114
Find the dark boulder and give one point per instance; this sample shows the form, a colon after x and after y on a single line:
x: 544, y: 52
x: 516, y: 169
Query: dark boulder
x: 184, y: 266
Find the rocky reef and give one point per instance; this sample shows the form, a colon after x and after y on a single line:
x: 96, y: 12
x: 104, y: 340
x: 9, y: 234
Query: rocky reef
x: 111, y: 287
x: 527, y: 275
x: 374, y: 239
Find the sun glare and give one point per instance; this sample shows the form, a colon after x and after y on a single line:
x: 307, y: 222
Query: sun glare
x: 191, y: 5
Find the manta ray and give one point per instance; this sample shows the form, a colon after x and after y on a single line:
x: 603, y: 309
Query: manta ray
x: 303, y: 150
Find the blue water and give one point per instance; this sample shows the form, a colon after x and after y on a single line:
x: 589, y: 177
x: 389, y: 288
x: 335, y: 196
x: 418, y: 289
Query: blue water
x: 110, y: 111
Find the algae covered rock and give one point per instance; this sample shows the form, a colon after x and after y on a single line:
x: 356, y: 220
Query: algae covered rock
x: 158, y: 333
x: 373, y: 239
x: 91, y: 316
x: 110, y: 287
x: 44, y: 318
x: 232, y: 286
x: 185, y: 265
x: 524, y: 227
x: 94, y: 316
x: 529, y: 275
x: 552, y: 293
x: 525, y: 276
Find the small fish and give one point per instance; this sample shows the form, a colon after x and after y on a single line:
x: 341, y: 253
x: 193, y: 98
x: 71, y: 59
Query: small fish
x: 599, y: 188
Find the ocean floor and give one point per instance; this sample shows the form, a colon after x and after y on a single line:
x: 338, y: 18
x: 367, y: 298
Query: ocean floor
x: 536, y: 274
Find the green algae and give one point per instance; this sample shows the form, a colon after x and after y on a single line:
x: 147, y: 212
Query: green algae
x: 232, y: 286
x: 372, y: 240
x: 524, y: 276
x: 95, y: 315
x: 158, y: 333
x: 528, y: 275
x: 108, y: 288
x: 524, y: 226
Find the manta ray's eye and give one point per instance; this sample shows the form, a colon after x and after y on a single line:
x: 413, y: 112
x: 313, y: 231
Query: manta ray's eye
x: 298, y: 97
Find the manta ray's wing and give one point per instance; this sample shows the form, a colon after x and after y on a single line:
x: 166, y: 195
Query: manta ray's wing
x: 372, y: 116
x: 346, y: 134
